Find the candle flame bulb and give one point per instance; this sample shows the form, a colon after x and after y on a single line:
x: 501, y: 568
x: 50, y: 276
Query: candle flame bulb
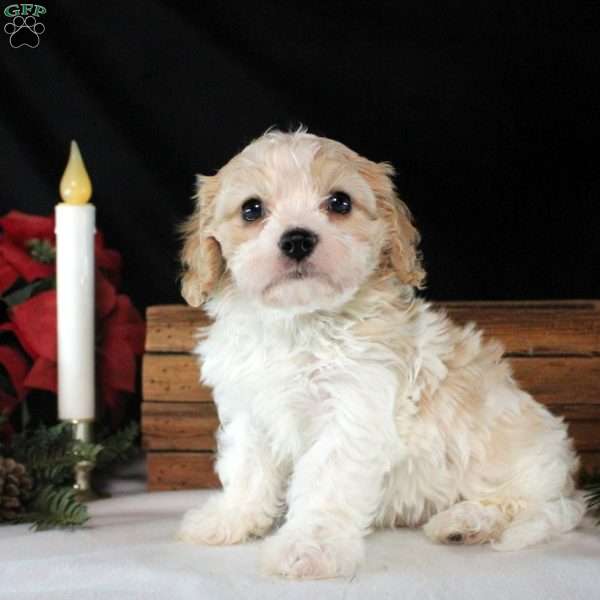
x: 75, y: 185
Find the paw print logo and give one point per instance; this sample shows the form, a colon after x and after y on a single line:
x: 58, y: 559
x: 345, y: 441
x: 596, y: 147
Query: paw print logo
x: 24, y: 31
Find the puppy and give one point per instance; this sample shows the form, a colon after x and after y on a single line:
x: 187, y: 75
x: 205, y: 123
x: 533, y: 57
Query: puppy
x: 346, y: 402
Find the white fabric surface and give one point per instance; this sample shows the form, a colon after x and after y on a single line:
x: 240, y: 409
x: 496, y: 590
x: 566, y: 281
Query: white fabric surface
x: 128, y: 552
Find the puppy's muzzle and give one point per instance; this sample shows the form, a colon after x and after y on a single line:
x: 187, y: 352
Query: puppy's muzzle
x: 298, y: 243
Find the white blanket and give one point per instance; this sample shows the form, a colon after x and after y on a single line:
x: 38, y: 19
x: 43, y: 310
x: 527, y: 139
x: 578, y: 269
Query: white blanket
x: 128, y: 552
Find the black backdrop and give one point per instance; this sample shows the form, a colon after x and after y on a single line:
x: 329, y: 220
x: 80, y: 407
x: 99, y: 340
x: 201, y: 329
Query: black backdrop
x: 487, y: 111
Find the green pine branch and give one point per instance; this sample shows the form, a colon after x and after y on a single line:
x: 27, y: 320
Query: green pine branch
x: 47, y: 452
x: 55, y: 507
x: 591, y: 485
x: 593, y: 497
x: 118, y: 447
x: 50, y: 455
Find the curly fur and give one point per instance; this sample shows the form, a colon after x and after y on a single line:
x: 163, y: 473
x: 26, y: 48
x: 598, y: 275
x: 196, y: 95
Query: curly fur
x: 347, y: 403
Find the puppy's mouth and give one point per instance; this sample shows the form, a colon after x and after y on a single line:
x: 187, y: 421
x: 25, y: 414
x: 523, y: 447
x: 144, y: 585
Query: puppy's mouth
x: 299, y: 272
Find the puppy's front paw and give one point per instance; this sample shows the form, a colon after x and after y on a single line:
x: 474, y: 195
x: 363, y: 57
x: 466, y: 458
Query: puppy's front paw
x: 301, y: 557
x: 218, y: 524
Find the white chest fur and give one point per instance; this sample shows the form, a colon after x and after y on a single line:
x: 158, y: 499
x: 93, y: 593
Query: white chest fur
x: 292, y: 377
x: 405, y: 394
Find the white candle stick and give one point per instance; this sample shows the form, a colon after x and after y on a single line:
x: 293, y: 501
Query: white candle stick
x: 75, y: 229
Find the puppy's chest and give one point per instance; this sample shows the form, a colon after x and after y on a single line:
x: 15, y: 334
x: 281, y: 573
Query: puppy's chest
x: 283, y: 378
x: 275, y: 377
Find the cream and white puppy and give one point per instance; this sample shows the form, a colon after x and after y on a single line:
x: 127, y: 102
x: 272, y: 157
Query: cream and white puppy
x: 347, y: 403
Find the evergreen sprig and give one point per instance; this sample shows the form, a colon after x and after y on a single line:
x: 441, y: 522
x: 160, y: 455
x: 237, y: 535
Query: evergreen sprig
x: 55, y: 507
x: 118, y: 446
x: 49, y: 455
x: 591, y: 484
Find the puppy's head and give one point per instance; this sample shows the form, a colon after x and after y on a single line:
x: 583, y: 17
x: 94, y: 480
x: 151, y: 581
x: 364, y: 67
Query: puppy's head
x: 297, y: 222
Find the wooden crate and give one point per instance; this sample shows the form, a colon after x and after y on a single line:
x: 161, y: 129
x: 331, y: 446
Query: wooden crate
x: 554, y: 348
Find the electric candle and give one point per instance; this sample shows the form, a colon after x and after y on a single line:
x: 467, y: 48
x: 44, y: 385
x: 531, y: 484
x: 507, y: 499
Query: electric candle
x: 75, y: 229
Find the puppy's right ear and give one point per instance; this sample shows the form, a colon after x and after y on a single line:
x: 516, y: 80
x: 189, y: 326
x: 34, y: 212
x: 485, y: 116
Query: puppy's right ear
x: 201, y: 256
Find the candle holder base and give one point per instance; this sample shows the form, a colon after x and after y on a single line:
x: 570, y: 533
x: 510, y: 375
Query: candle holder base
x: 84, y: 492
x: 82, y: 431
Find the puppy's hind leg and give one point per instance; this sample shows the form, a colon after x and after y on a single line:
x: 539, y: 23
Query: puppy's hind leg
x: 468, y: 522
x: 541, y: 522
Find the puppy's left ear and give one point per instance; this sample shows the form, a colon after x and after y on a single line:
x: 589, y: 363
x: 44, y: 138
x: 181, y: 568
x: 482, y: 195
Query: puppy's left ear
x: 400, y: 251
x: 201, y: 257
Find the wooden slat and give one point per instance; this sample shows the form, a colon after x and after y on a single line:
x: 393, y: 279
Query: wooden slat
x: 194, y: 470
x: 540, y: 327
x: 538, y: 335
x: 565, y: 380
x: 173, y: 378
x: 577, y: 412
x: 172, y: 327
x: 536, y: 327
x: 179, y: 425
x: 560, y: 380
x: 180, y: 470
x: 590, y: 461
x: 586, y: 435
x: 191, y: 426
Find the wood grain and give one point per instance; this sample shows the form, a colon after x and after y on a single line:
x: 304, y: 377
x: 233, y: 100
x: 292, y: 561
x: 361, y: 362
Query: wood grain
x: 559, y: 380
x: 536, y: 327
x: 179, y: 425
x: 172, y: 327
x: 585, y: 434
x: 554, y: 348
x: 173, y: 378
x: 527, y: 328
x: 577, y: 412
x: 194, y: 470
x: 191, y: 426
x: 181, y: 470
x: 590, y: 461
x: 566, y: 380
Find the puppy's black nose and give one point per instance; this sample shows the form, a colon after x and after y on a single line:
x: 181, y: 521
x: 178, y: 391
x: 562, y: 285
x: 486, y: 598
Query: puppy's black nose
x: 298, y: 243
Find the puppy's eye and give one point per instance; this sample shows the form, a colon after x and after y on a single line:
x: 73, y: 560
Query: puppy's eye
x: 252, y: 209
x: 340, y: 203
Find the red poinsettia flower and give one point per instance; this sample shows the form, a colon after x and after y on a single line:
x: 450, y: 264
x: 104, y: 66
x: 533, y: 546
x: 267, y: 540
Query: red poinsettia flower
x: 8, y: 274
x: 121, y: 341
x: 23, y: 234
x: 120, y: 334
x: 16, y: 366
x: 108, y: 261
x: 27, y: 245
x: 18, y: 229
